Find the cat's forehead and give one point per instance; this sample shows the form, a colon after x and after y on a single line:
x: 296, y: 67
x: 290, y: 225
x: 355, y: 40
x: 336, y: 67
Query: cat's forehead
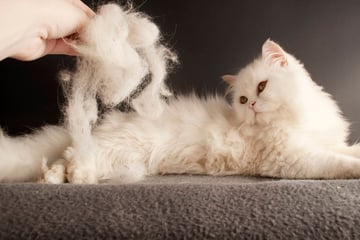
x: 252, y: 74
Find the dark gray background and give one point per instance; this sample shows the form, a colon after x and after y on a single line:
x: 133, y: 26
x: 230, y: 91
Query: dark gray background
x: 213, y: 38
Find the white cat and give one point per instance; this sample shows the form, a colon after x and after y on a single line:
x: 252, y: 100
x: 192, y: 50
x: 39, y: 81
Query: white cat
x: 280, y: 124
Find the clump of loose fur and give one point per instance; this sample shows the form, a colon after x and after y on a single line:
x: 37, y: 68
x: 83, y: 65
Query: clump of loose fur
x: 118, y: 50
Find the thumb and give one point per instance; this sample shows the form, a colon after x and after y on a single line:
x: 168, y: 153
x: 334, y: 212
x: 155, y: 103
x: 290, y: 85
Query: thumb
x: 59, y: 46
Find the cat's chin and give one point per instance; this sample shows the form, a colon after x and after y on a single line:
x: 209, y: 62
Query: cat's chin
x: 263, y: 118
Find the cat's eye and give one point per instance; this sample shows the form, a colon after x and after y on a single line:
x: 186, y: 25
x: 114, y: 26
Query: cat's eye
x: 243, y: 99
x: 261, y: 86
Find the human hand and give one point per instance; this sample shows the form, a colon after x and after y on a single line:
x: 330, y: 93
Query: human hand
x: 31, y: 29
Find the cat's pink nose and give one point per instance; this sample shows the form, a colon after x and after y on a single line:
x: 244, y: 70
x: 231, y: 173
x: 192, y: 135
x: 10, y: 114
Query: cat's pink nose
x: 252, y: 104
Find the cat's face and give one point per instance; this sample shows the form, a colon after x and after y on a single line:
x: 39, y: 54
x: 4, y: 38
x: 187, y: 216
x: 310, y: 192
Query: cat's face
x: 265, y: 90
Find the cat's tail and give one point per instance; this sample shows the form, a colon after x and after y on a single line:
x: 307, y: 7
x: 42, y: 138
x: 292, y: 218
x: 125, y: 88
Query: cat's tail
x: 21, y: 157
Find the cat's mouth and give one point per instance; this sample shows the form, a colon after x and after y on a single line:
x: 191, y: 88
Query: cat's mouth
x: 257, y: 116
x: 254, y: 111
x: 254, y: 114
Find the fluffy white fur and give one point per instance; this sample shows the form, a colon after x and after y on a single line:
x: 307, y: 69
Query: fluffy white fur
x: 21, y: 157
x: 288, y: 127
x: 118, y: 50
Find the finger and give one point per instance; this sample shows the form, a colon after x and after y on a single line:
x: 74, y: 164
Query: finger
x: 88, y: 11
x: 77, y: 17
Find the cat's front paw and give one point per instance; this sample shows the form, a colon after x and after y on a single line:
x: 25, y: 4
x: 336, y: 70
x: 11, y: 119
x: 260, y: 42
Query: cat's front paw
x: 353, y: 150
x: 80, y: 168
x: 55, y: 174
x: 81, y: 175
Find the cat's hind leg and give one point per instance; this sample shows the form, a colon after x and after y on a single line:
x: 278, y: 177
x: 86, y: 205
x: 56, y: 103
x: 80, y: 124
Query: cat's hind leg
x: 72, y: 168
x: 108, y: 166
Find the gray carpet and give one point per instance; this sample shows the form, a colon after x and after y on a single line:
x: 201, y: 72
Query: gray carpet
x: 183, y: 207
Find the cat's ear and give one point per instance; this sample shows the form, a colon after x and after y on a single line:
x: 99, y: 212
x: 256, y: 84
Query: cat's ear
x: 273, y: 53
x: 229, y: 79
